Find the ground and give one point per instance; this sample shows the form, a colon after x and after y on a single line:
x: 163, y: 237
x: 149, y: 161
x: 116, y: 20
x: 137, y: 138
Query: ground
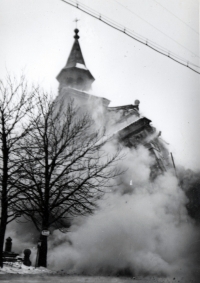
x: 25, y: 278
x: 18, y: 272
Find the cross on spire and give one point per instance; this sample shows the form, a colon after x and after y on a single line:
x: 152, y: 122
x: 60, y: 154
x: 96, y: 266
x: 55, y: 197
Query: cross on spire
x: 76, y: 20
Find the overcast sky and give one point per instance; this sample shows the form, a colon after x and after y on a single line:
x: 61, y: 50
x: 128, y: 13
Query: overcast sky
x: 37, y: 36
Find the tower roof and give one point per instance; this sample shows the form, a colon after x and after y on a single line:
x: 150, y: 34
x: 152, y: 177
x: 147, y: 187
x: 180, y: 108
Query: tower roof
x: 76, y: 56
x: 75, y: 73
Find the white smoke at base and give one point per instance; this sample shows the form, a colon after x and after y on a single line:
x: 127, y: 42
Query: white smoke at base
x: 142, y: 228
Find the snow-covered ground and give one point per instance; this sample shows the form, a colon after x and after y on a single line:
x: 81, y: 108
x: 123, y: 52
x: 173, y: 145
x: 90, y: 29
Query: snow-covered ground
x: 20, y: 268
x: 17, y: 272
x: 85, y: 279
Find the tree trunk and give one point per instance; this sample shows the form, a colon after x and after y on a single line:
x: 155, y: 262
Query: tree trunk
x: 42, y: 260
x: 2, y: 237
x: 4, y: 184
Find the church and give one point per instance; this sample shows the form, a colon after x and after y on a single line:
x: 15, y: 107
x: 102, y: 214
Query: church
x: 123, y: 123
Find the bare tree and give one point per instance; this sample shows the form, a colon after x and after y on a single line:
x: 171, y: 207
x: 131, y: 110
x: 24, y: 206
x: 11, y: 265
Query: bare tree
x: 65, y: 169
x: 15, y: 103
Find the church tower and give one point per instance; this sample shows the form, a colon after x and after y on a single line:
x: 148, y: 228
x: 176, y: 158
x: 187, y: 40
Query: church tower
x: 75, y: 73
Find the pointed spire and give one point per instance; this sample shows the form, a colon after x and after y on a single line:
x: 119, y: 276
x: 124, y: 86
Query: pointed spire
x: 75, y: 55
x: 75, y: 73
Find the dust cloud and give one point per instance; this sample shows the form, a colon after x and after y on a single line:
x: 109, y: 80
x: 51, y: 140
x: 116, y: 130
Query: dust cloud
x: 141, y: 227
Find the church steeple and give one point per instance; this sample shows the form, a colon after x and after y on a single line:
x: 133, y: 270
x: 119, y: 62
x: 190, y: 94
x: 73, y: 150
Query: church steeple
x: 75, y: 74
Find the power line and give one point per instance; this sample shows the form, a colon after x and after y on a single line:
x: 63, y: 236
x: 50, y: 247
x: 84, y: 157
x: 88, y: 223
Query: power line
x: 176, y: 17
x: 133, y: 35
x: 154, y: 27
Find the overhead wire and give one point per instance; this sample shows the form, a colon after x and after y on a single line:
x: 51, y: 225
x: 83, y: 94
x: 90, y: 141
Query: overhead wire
x: 87, y: 10
x: 176, y: 17
x: 155, y: 27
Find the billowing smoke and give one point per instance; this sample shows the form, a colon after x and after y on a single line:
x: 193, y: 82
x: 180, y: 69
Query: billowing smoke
x: 140, y: 228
